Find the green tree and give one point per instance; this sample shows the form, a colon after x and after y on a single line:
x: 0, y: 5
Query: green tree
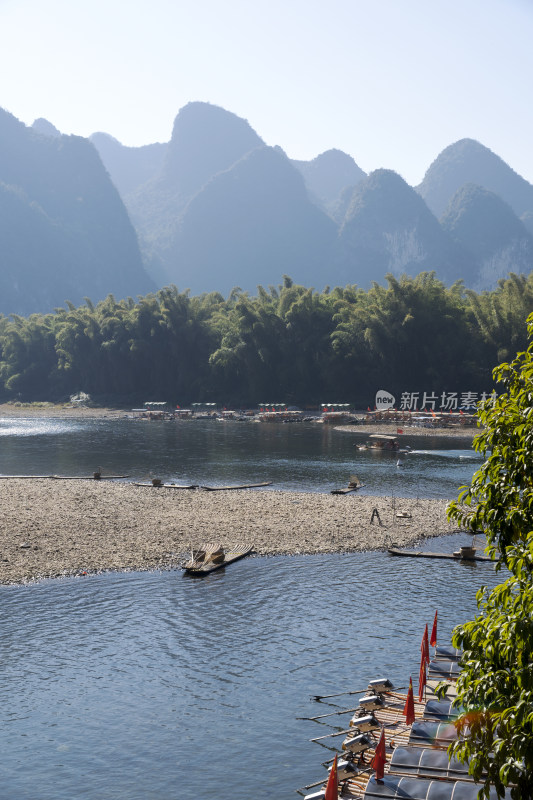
x: 495, y: 686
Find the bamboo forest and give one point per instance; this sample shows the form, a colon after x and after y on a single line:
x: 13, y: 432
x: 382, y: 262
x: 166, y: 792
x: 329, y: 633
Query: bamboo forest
x: 288, y: 343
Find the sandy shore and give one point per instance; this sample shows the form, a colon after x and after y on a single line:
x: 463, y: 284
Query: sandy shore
x: 361, y: 432
x: 57, y: 411
x: 51, y: 528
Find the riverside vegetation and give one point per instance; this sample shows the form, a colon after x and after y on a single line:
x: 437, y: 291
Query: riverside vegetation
x: 495, y: 686
x: 288, y: 343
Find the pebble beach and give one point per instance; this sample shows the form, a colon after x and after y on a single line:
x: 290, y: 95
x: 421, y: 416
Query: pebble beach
x: 51, y: 528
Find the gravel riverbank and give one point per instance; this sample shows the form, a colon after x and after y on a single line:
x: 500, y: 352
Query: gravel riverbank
x: 50, y: 528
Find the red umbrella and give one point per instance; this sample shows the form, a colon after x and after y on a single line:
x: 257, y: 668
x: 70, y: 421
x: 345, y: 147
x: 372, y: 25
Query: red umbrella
x: 332, y: 788
x: 433, y: 639
x: 409, y: 708
x: 379, y: 760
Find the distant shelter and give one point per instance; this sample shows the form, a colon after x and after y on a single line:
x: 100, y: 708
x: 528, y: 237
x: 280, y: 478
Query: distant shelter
x: 204, y: 410
x: 338, y: 414
x: 278, y: 412
x: 423, y: 419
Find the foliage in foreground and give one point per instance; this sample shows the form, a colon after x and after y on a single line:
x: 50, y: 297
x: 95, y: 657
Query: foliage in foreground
x: 496, y: 682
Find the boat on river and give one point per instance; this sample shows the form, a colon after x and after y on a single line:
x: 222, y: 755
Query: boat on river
x: 209, y: 558
x: 464, y: 554
x: 383, y: 442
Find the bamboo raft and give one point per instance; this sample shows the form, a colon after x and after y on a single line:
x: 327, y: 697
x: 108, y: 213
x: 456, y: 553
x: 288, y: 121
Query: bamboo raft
x: 160, y: 485
x: 415, y: 754
x: 395, y: 551
x: 227, y: 488
x: 354, y: 484
x: 209, y: 558
x: 418, y: 759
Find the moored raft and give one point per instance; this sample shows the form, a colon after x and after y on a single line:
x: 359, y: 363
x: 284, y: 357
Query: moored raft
x: 457, y: 556
x: 209, y: 558
x: 237, y: 486
x: 414, y: 759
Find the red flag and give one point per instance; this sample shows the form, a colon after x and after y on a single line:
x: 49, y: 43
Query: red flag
x: 422, y: 680
x: 399, y: 430
x: 368, y: 408
x: 409, y: 708
x: 332, y: 788
x: 424, y: 646
x: 433, y: 639
x: 460, y: 411
x: 379, y: 760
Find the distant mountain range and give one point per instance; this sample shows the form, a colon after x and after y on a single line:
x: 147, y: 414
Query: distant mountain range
x: 215, y: 208
x: 221, y: 209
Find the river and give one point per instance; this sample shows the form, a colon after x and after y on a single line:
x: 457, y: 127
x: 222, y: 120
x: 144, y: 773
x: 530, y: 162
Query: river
x: 155, y: 686
x: 296, y: 457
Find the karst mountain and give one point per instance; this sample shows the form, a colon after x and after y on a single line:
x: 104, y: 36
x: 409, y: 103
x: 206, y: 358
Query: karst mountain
x: 216, y: 207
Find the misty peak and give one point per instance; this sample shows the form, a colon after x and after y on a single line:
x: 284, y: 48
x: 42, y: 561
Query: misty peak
x: 468, y: 161
x: 206, y: 140
x: 45, y: 128
x: 328, y: 176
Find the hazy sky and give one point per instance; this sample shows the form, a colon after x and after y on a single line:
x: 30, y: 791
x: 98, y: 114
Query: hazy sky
x: 391, y: 82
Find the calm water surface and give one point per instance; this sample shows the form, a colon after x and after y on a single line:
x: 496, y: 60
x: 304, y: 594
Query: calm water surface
x: 299, y: 457
x: 155, y: 686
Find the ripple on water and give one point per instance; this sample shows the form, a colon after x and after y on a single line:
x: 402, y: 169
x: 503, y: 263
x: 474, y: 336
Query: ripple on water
x: 153, y: 685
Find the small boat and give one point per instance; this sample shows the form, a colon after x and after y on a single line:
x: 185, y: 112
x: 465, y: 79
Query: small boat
x: 353, y: 485
x: 460, y: 555
x: 208, y: 558
x: 381, y: 441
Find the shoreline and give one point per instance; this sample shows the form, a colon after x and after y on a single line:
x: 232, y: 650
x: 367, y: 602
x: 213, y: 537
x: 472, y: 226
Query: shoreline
x: 67, y: 411
x: 57, y: 411
x: 85, y: 527
x: 460, y: 434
